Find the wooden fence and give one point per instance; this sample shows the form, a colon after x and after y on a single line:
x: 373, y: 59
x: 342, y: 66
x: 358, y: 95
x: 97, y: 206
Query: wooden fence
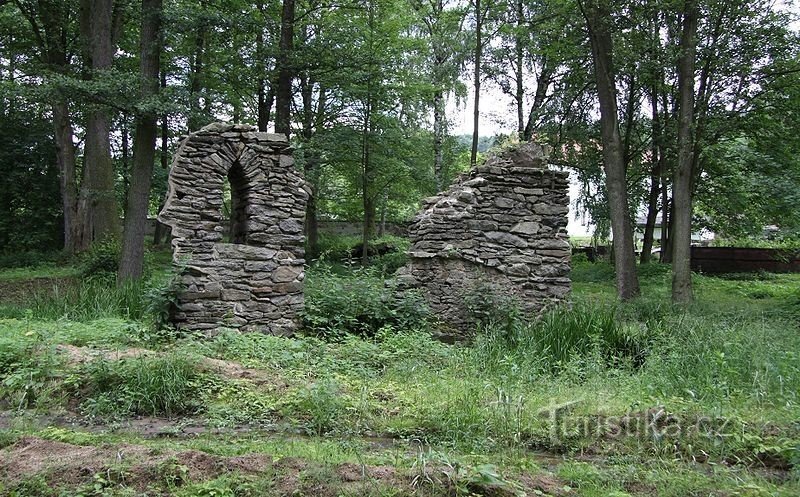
x: 743, y: 260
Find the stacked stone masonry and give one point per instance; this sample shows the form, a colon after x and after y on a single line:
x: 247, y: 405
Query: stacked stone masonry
x: 254, y: 282
x: 501, y: 228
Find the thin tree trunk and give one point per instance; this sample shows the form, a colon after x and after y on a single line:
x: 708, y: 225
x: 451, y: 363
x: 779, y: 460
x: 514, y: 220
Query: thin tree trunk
x: 477, y: 81
x: 666, y: 201
x: 126, y: 173
x: 161, y: 228
x: 66, y: 167
x: 196, y: 75
x: 668, y: 230
x: 682, y: 185
x: 367, y: 202
x: 655, y: 181
x: 519, y: 67
x: 262, y: 110
x: 285, y: 70
x: 438, y: 137
x: 542, y: 83
x: 51, y: 34
x: 311, y: 166
x: 132, y: 260
x: 598, y: 22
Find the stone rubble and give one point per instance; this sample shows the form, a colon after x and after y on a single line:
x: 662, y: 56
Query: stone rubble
x: 255, y: 283
x: 501, y: 228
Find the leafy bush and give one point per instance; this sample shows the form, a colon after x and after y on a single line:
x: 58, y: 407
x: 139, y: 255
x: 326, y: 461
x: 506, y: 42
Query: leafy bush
x: 321, y: 404
x: 361, y: 304
x: 489, y: 306
x: 336, y: 247
x: 102, y: 259
x: 31, y: 371
x: 161, y: 385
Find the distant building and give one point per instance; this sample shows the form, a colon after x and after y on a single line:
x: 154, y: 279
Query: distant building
x: 700, y: 237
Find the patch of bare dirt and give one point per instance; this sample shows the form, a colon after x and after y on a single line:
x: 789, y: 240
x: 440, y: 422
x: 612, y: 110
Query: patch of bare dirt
x: 227, y: 369
x: 235, y: 371
x: 68, y: 464
x: 64, y: 464
x: 81, y: 355
x: 544, y: 483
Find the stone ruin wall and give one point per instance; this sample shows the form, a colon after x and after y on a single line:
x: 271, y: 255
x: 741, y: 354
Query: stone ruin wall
x: 500, y: 228
x: 255, y: 282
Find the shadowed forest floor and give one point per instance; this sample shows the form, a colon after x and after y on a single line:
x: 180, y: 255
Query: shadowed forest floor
x: 602, y: 399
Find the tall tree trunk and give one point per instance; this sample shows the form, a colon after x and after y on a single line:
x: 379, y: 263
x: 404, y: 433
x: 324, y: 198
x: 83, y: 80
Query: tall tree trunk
x: 66, y: 167
x: 196, y: 76
x: 54, y: 17
x: 655, y: 180
x: 97, y: 204
x: 682, y: 185
x: 598, y: 18
x: 519, y: 96
x: 476, y: 114
x: 161, y: 228
x: 283, y: 100
x: 367, y: 201
x: 438, y: 137
x: 311, y: 165
x: 132, y: 261
x: 262, y: 109
x: 667, y: 210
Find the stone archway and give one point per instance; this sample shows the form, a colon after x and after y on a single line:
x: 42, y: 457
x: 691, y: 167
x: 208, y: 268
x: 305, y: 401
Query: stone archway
x: 253, y: 281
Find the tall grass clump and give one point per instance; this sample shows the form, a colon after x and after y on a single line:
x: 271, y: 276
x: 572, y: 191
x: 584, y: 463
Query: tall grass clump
x: 558, y: 339
x: 160, y: 385
x: 736, y: 360
x: 147, y: 301
x: 89, y: 300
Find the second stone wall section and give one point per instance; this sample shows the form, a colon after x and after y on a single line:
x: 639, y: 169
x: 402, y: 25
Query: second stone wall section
x: 500, y: 230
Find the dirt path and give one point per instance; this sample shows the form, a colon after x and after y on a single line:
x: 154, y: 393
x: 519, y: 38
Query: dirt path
x: 143, y: 468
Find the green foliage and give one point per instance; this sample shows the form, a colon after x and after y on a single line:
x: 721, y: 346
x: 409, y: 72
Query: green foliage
x: 31, y: 219
x: 161, y: 385
x: 32, y: 372
x: 101, y: 261
x: 28, y: 259
x: 93, y: 299
x: 360, y: 304
x: 321, y: 403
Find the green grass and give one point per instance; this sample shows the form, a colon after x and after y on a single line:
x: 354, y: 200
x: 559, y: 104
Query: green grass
x: 679, y: 401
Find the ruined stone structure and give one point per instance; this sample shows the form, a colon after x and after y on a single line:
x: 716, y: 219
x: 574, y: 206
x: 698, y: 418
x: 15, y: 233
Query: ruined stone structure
x: 255, y: 281
x: 501, y: 228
